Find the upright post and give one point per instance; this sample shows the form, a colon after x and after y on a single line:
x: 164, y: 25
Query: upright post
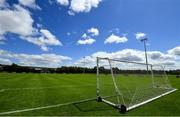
x: 165, y: 75
x: 115, y: 85
x: 97, y: 79
x: 152, y: 75
x: 146, y: 53
x: 145, y: 50
x: 84, y: 66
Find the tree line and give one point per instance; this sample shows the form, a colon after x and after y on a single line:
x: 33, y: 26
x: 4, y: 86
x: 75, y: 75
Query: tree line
x: 73, y: 69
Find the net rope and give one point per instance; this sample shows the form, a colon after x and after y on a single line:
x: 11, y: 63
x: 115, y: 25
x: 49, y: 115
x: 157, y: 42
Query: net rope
x: 133, y: 83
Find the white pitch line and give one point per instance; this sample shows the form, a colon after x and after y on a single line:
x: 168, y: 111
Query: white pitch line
x: 44, y: 107
x: 40, y: 88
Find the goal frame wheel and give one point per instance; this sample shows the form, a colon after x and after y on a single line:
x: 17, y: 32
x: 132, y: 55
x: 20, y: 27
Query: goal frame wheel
x: 123, y: 109
x: 99, y: 99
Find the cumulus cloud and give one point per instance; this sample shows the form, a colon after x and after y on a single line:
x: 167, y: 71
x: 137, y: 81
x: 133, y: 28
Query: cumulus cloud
x: 154, y: 57
x: 88, y: 41
x: 3, y: 4
x: 79, y: 6
x: 42, y: 60
x: 93, y: 31
x: 140, y: 35
x: 18, y: 20
x: 175, y: 51
x: 45, y: 39
x: 5, y: 61
x: 126, y: 54
x: 71, y: 13
x: 46, y: 60
x: 87, y: 37
x: 84, y: 36
x: 29, y: 3
x: 63, y: 2
x: 115, y: 39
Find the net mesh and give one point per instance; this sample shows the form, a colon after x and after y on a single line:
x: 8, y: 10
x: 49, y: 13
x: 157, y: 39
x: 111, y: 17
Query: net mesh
x: 130, y: 83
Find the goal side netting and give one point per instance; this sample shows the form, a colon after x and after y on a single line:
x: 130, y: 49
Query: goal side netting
x: 127, y: 85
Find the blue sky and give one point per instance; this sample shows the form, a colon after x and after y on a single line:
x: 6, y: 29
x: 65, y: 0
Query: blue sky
x: 67, y: 20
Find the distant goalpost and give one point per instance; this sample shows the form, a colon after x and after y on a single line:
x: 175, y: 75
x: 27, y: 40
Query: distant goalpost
x: 126, y: 85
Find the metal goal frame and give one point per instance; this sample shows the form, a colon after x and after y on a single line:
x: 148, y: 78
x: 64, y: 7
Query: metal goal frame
x: 122, y: 107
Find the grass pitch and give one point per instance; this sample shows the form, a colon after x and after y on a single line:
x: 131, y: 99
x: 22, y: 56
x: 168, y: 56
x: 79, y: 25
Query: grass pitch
x: 45, y: 94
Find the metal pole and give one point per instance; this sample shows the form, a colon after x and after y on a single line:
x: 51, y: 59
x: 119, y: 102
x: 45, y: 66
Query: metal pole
x: 115, y: 85
x: 97, y: 82
x: 84, y: 66
x: 152, y: 76
x: 144, y: 40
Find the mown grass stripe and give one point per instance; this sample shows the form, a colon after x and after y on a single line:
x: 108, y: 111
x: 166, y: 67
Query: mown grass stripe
x: 45, y: 107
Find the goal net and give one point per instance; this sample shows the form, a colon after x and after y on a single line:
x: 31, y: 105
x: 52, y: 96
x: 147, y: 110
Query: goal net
x: 127, y: 85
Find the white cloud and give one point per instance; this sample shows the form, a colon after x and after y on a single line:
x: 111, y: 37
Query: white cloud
x: 126, y: 54
x: 45, y: 39
x: 51, y: 39
x: 44, y: 48
x: 18, y: 20
x: 79, y: 6
x: 39, y: 25
x: 175, y: 51
x: 154, y: 57
x: 42, y: 60
x: 45, y: 60
x: 115, y: 39
x: 84, y: 36
x: 3, y: 4
x: 83, y: 5
x: 140, y: 35
x: 29, y: 3
x: 63, y: 2
x: 93, y: 31
x: 87, y: 37
x: 71, y: 13
x: 5, y: 61
x: 86, y: 41
x: 160, y: 57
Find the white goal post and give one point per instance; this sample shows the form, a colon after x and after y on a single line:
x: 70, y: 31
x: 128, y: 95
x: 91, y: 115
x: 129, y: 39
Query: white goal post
x: 126, y: 85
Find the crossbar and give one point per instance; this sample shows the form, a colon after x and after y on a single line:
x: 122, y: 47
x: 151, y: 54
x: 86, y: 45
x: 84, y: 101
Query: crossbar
x: 123, y: 61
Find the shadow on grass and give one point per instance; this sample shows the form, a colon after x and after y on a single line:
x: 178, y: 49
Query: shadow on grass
x: 92, y: 105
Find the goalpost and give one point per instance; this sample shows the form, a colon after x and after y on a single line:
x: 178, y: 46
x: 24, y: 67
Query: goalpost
x: 126, y: 85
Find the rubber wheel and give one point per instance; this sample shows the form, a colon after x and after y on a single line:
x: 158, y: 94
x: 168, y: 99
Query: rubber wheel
x: 99, y: 99
x: 123, y: 109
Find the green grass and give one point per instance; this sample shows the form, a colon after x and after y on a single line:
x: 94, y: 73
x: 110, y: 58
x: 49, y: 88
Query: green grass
x: 36, y: 90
